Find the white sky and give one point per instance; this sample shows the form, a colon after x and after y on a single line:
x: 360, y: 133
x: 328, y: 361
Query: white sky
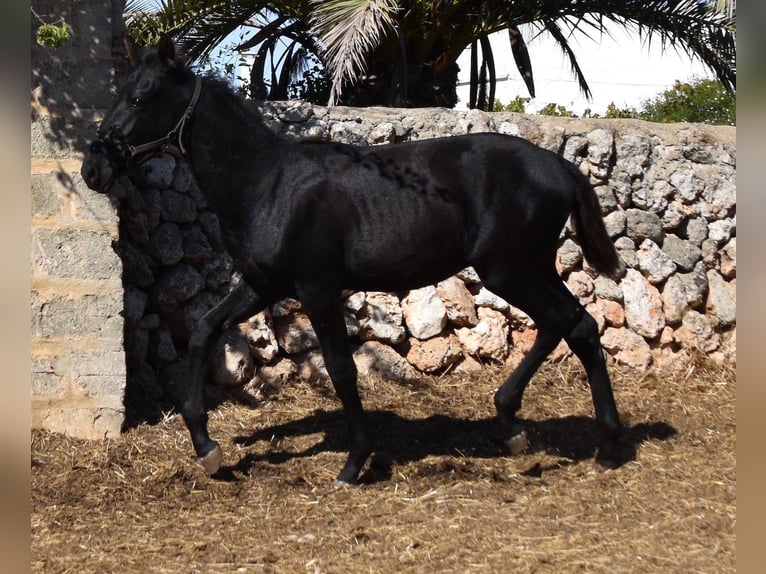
x: 618, y: 69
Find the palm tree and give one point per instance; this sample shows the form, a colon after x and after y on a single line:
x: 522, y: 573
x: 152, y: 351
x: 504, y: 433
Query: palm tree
x: 404, y: 52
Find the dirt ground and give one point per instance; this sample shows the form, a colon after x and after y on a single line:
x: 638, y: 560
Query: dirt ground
x: 439, y: 495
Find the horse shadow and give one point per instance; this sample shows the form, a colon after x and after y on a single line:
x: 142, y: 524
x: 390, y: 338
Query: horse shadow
x: 401, y: 440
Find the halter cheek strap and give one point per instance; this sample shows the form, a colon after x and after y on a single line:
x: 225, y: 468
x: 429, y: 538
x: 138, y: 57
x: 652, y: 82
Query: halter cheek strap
x: 175, y: 133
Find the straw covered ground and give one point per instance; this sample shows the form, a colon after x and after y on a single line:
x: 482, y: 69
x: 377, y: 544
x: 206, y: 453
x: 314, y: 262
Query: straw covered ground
x: 439, y: 495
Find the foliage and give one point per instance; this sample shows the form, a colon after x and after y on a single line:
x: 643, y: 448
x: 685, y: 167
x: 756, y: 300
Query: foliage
x: 556, y: 110
x: 704, y: 101
x: 517, y: 104
x: 313, y: 85
x: 701, y: 101
x: 51, y: 34
x: 613, y: 112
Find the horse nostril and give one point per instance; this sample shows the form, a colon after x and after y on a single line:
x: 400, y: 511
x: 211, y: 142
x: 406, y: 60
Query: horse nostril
x: 89, y: 173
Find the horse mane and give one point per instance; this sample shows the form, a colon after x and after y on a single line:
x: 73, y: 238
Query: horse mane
x: 225, y: 94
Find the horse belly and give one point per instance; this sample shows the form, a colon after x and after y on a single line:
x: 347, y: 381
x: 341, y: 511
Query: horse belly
x: 403, y: 258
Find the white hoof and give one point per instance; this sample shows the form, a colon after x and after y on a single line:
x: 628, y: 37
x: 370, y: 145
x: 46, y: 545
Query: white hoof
x: 212, y: 461
x: 517, y: 443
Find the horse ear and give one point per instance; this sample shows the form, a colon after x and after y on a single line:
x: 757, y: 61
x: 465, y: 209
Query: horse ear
x: 132, y: 51
x: 166, y: 51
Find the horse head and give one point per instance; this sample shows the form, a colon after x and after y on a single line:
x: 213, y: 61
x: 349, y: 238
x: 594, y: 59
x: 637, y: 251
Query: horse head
x: 148, y: 113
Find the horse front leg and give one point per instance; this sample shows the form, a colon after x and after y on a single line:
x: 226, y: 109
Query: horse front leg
x: 240, y: 303
x: 330, y: 328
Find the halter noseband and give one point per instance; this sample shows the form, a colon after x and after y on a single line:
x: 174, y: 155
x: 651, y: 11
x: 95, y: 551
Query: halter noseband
x: 126, y: 151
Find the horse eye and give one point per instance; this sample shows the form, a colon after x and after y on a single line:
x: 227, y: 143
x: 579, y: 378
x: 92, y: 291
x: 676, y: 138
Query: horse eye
x: 136, y: 101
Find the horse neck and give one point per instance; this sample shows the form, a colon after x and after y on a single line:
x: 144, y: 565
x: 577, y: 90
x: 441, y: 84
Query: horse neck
x: 230, y: 147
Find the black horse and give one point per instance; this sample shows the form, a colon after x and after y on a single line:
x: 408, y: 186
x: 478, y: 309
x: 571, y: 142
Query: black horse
x: 308, y: 219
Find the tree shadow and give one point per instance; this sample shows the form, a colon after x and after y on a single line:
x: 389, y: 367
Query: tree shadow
x: 401, y: 440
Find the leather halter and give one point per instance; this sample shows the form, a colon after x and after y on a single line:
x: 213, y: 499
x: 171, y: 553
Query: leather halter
x: 176, y: 133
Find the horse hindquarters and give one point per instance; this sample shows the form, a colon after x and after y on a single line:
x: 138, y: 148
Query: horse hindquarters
x: 523, y: 272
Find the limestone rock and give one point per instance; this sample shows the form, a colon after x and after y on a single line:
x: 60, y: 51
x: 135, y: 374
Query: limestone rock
x: 581, y: 286
x: 177, y: 207
x: 722, y: 299
x: 721, y: 231
x: 600, y: 148
x: 615, y: 223
x: 633, y: 151
x: 696, y: 332
x: 626, y: 249
x: 696, y: 230
x: 729, y: 259
x: 569, y: 256
x: 373, y: 357
x: 627, y: 347
x: 488, y: 338
x: 294, y: 333
x: 607, y: 288
x: 469, y: 276
x: 643, y: 225
x: 166, y: 244
x: 674, y: 300
x: 682, y: 252
x: 485, y: 298
x: 259, y: 333
x: 158, y: 171
x: 381, y: 318
x: 231, y: 362
x: 654, y: 263
x: 424, y: 312
x: 282, y: 371
x: 458, y: 301
x: 296, y: 111
x: 176, y: 285
x: 434, y: 354
x: 643, y: 305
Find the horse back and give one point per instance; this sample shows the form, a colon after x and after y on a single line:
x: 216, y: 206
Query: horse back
x: 402, y: 215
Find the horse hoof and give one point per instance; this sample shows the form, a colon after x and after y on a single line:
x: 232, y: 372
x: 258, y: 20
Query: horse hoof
x: 517, y: 443
x: 338, y: 484
x: 212, y: 461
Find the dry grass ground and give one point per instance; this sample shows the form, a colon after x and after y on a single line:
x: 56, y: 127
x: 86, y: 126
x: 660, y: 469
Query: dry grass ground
x: 438, y: 497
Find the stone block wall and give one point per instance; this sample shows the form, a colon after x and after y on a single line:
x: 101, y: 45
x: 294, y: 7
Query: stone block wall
x: 667, y: 192
x: 78, y: 364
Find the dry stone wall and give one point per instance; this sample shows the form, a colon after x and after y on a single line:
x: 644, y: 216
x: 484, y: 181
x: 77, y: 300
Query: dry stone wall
x: 667, y: 193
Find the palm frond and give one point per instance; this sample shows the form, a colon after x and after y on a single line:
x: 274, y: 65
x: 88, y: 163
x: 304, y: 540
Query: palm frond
x: 348, y: 30
x: 521, y: 57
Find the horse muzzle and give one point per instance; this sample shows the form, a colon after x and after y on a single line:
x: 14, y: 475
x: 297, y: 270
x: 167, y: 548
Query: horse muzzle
x: 101, y: 166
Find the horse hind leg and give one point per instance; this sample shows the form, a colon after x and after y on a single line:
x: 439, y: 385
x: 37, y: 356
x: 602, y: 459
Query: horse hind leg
x: 557, y: 314
x: 583, y: 339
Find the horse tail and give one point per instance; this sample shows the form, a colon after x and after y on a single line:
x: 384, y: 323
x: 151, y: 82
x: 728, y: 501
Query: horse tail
x: 589, y: 227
